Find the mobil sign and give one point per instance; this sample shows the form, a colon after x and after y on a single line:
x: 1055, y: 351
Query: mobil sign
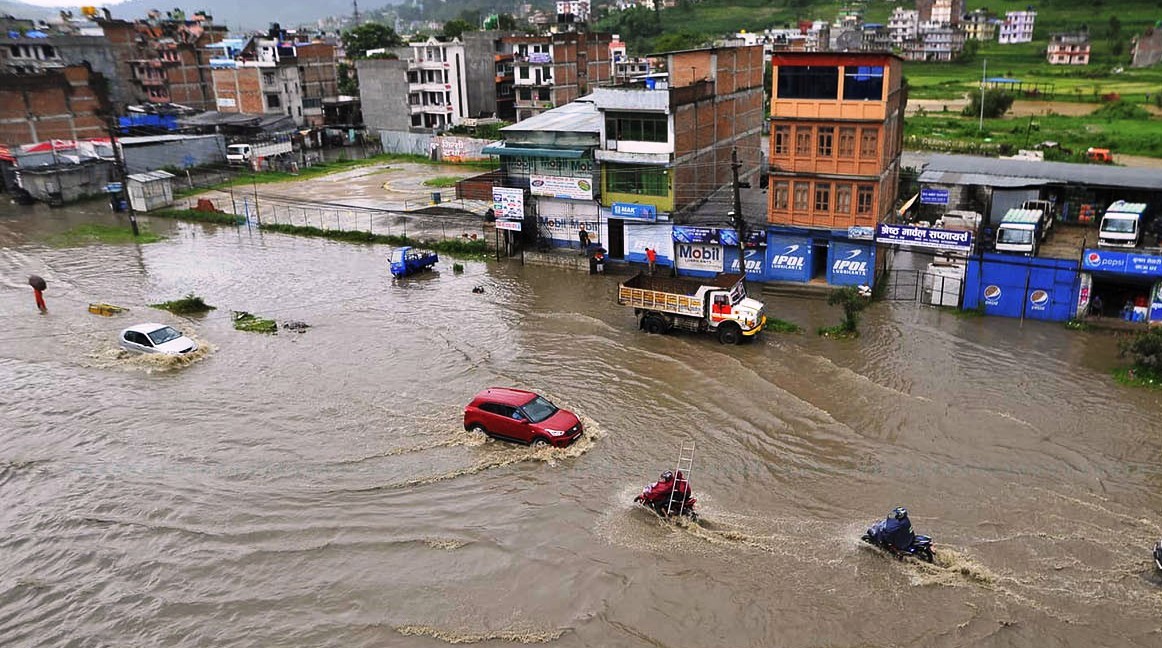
x: 699, y: 258
x: 850, y: 264
x: 788, y: 258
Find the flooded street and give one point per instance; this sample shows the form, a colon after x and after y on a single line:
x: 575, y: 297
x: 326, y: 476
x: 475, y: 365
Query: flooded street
x: 318, y: 489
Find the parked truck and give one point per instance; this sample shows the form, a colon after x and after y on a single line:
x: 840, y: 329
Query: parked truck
x: 717, y: 305
x: 1021, y: 231
x: 1121, y: 225
x: 245, y: 153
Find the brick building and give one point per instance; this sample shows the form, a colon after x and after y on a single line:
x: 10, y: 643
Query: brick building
x: 164, y: 59
x: 836, y: 136
x: 64, y: 103
x: 319, y: 76
x: 554, y: 69
x: 262, y: 77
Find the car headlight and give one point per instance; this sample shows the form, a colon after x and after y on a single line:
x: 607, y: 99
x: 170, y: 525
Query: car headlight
x: 555, y: 433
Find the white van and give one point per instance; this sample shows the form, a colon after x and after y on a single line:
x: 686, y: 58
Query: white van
x: 1121, y: 225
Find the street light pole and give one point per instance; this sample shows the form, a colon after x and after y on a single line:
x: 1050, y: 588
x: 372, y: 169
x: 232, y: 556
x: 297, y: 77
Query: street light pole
x: 983, y: 73
x: 736, y: 214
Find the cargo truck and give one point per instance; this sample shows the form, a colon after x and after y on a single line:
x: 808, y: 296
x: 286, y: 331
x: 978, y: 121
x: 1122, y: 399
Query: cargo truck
x: 717, y: 305
x: 245, y: 153
x: 1021, y: 231
x: 1121, y: 225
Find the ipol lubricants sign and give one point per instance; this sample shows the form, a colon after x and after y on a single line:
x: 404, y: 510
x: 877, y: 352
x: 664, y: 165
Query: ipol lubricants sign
x: 850, y: 264
x: 788, y: 258
x: 699, y: 257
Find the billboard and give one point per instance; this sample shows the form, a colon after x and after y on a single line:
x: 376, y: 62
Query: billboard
x: 508, y: 203
x: 850, y: 264
x: 698, y: 257
x: 1130, y: 263
x: 561, y: 187
x: 926, y: 237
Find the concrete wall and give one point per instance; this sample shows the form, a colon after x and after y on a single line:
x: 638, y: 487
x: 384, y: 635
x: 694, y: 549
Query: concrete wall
x: 480, y: 50
x: 383, y: 93
x: 78, y: 50
x: 188, y: 152
x: 461, y: 149
x: 407, y: 142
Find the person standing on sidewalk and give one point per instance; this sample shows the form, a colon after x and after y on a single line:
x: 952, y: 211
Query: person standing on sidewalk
x: 583, y: 238
x: 651, y: 259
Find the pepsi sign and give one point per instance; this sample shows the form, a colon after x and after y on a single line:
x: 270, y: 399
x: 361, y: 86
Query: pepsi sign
x: 1038, y: 300
x: 992, y: 295
x: 1129, y: 263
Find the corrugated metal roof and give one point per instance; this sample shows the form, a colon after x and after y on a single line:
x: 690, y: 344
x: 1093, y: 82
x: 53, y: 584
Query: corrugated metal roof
x: 150, y: 176
x: 580, y: 116
x: 503, y: 150
x: 982, y: 179
x: 989, y: 171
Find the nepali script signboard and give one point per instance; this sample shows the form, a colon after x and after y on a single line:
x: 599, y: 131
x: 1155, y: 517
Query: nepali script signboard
x: 927, y: 237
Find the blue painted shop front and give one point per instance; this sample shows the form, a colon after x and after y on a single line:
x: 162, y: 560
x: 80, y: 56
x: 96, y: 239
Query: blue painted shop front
x: 775, y: 255
x: 1015, y: 286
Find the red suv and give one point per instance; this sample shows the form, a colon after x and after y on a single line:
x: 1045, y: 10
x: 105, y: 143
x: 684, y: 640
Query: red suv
x: 521, y: 416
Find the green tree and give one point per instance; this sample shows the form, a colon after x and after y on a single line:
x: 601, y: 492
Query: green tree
x: 455, y: 28
x: 348, y: 81
x: 675, y: 41
x: 1145, y: 350
x: 506, y: 22
x: 996, y: 103
x: 1115, y: 29
x: 368, y: 36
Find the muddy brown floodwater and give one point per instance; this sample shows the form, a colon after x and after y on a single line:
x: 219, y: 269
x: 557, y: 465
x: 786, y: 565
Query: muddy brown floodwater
x: 317, y: 489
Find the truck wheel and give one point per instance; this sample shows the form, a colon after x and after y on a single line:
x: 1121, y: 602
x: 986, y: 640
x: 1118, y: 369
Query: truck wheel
x: 654, y: 325
x: 729, y: 334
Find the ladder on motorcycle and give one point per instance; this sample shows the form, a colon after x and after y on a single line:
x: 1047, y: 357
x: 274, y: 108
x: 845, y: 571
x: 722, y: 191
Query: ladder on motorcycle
x: 682, y: 471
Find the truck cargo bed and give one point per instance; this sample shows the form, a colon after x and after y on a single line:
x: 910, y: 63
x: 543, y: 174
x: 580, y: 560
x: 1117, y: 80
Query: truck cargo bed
x: 670, y: 294
x: 680, y: 285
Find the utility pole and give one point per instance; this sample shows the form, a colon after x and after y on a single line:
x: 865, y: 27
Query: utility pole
x: 736, y: 217
x: 355, y: 4
x: 983, y: 73
x: 120, y: 162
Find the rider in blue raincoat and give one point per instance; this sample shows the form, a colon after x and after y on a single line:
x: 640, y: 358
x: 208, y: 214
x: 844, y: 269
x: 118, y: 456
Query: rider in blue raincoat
x: 898, y: 529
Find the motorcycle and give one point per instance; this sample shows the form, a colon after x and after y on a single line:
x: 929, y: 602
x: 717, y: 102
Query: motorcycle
x: 921, y: 546
x: 663, y: 508
x: 1158, y: 555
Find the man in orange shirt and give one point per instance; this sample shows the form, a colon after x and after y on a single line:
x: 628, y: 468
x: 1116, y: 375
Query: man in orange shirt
x: 651, y: 258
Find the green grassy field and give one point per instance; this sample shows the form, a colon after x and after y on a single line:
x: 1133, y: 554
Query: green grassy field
x: 1126, y: 136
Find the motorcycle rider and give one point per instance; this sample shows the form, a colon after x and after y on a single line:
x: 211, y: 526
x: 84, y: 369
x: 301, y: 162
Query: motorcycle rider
x: 897, y: 530
x: 658, y: 493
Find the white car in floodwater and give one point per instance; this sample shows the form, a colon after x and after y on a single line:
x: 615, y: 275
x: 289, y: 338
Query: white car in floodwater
x: 156, y: 338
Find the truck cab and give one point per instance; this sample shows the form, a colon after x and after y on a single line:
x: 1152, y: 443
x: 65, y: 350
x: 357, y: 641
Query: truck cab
x: 1121, y: 225
x: 238, y: 153
x: 1021, y: 231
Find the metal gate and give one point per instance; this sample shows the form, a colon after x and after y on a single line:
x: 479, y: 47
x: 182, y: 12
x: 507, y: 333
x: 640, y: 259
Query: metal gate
x: 931, y: 288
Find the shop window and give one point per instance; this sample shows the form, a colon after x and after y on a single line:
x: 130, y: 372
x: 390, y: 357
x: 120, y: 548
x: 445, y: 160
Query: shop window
x: 867, y: 142
x: 637, y: 127
x: 782, y: 189
x: 863, y: 83
x: 803, y: 141
x: 846, y: 142
x: 865, y: 199
x: 843, y: 199
x: 782, y: 140
x: 808, y: 82
x: 638, y: 179
x: 823, y: 141
x: 823, y: 197
x: 802, y: 190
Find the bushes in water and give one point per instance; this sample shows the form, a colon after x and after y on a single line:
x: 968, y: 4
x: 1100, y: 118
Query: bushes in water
x: 191, y: 304
x: 244, y: 321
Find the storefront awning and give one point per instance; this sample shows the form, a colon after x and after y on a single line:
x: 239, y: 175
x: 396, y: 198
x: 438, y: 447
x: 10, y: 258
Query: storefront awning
x: 504, y: 151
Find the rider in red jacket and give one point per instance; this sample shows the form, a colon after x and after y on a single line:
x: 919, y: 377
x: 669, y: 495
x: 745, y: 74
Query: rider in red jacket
x: 659, y: 491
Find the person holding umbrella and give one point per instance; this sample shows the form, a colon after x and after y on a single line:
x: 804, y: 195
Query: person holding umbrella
x: 38, y: 287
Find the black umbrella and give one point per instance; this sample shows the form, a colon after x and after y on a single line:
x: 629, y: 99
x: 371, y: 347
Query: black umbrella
x: 37, y: 282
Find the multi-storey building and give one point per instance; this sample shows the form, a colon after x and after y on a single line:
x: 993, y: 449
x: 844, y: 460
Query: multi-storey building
x: 437, y: 84
x: 572, y: 11
x: 945, y: 12
x: 1147, y: 48
x: 1017, y: 27
x: 836, y: 136
x: 936, y: 42
x: 554, y: 69
x: 319, y: 76
x: 489, y: 74
x: 165, y: 59
x: 903, y: 26
x: 1068, y: 49
x: 261, y: 78
x: 626, y: 69
x: 979, y: 25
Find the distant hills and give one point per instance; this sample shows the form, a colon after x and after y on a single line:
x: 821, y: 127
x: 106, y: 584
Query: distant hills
x: 234, y: 13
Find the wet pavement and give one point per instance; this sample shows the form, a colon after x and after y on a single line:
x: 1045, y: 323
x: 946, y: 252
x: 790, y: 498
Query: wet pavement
x: 317, y: 488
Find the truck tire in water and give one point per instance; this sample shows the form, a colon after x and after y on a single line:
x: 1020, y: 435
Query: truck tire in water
x: 729, y: 333
x: 654, y: 325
